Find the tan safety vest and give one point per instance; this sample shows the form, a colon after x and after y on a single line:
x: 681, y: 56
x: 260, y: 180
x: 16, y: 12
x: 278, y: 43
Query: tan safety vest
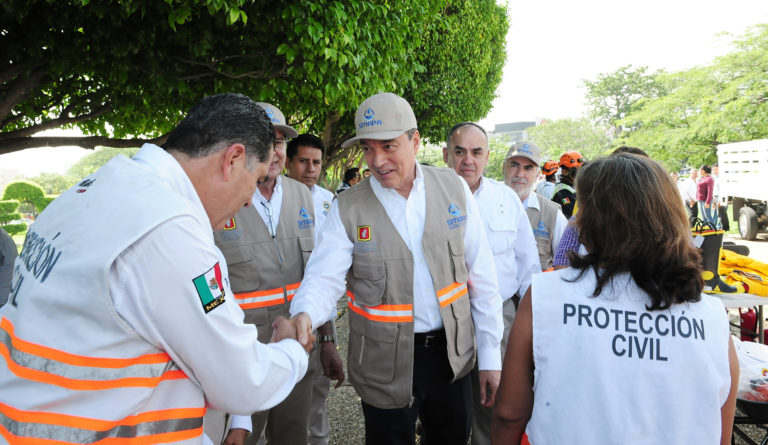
x: 543, y: 225
x: 265, y: 272
x: 380, y: 288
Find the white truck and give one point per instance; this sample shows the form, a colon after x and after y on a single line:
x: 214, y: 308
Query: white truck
x: 744, y: 183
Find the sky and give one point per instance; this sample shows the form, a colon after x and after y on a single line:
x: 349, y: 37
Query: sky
x: 552, y: 46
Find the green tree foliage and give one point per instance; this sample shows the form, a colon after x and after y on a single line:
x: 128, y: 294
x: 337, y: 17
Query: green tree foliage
x: 53, y: 183
x: 26, y: 192
x: 614, y: 95
x: 9, y: 212
x: 125, y: 72
x: 726, y: 101
x: 558, y: 136
x: 92, y: 162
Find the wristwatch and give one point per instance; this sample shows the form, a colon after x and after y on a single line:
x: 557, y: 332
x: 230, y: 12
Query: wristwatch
x: 327, y: 338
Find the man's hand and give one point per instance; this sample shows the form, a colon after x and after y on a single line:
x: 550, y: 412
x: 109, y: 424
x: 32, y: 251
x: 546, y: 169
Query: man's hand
x: 333, y: 368
x: 303, y: 325
x: 236, y: 436
x: 489, y: 382
x: 283, y: 328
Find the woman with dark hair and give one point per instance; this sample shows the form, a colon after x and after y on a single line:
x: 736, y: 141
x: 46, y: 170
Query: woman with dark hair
x: 705, y: 192
x: 623, y: 346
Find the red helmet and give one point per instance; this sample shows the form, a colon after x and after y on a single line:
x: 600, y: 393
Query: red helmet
x: 571, y: 159
x: 550, y: 168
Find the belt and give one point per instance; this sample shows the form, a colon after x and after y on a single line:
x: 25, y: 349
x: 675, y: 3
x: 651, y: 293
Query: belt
x: 430, y: 339
x: 516, y: 300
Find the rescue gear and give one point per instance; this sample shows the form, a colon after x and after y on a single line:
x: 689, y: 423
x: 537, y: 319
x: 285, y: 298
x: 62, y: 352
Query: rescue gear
x: 751, y: 273
x: 711, y: 247
x: 550, y: 168
x: 571, y: 159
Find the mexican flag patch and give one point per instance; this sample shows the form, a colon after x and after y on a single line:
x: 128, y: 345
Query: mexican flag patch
x: 209, y: 288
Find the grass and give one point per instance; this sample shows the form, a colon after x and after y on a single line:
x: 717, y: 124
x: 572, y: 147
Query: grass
x: 19, y: 240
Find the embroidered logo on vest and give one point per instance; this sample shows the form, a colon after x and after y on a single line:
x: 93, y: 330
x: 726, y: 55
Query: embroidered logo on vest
x: 305, y: 221
x: 363, y: 233
x: 541, y: 230
x: 457, y: 220
x: 230, y: 224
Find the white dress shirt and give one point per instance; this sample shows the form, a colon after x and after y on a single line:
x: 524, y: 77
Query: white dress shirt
x: 269, y: 209
x: 560, y: 221
x: 151, y: 287
x: 510, y: 236
x: 324, y: 278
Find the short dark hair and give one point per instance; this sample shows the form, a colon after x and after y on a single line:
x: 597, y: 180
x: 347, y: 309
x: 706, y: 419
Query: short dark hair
x: 304, y: 140
x: 630, y: 220
x: 630, y: 150
x: 456, y: 128
x: 350, y: 174
x: 219, y: 121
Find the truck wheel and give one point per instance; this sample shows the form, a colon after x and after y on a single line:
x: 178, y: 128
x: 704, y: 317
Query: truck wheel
x: 747, y: 223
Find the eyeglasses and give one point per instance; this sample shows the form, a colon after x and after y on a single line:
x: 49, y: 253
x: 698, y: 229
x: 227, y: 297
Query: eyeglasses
x: 514, y: 165
x: 268, y: 210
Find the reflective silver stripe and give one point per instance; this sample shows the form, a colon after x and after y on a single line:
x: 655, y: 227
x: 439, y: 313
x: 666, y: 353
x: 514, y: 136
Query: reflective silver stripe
x: 85, y: 436
x: 74, y: 372
x: 459, y: 289
x: 275, y: 298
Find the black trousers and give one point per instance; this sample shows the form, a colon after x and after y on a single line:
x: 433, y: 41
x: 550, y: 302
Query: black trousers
x: 693, y: 211
x: 445, y: 408
x: 722, y: 213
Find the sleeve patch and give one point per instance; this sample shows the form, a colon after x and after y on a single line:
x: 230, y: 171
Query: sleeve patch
x: 210, y: 288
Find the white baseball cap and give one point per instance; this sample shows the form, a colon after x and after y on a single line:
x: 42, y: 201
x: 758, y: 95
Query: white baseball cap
x: 278, y: 120
x: 382, y: 116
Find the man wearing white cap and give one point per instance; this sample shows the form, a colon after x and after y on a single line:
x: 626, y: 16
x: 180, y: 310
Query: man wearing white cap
x: 508, y: 232
x: 420, y: 281
x: 521, y: 167
x: 266, y: 246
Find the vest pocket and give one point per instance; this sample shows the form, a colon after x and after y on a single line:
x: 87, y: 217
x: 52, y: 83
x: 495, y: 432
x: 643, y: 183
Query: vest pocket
x: 465, y: 340
x: 237, y: 253
x: 306, y: 243
x: 372, y: 350
x: 369, y: 282
x: 457, y: 255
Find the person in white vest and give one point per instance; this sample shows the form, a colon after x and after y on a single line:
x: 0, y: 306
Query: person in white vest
x: 305, y: 164
x: 623, y: 346
x: 509, y: 234
x: 420, y: 281
x: 121, y: 324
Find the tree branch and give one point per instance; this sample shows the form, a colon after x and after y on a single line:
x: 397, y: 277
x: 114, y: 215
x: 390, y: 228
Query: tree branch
x: 19, y: 89
x: 9, y: 73
x: 213, y: 70
x: 55, y: 123
x: 88, y: 142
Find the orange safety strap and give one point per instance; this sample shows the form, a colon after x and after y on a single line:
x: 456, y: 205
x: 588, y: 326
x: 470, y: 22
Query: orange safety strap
x: 388, y: 313
x: 38, y: 427
x: 449, y: 294
x: 54, y: 367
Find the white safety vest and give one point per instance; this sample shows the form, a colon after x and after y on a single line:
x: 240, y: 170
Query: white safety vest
x: 609, y: 371
x: 73, y: 372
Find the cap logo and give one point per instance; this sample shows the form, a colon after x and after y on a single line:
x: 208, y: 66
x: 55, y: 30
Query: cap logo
x: 525, y: 149
x: 368, y: 114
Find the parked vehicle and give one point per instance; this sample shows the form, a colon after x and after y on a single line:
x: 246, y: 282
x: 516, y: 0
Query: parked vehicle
x: 744, y: 183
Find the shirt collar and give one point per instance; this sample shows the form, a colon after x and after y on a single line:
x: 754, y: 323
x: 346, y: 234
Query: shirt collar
x: 418, y: 183
x: 258, y: 197
x: 532, y: 201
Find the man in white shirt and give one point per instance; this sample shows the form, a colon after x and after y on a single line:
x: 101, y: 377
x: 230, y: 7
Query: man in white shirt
x: 421, y: 285
x: 521, y: 166
x: 146, y: 333
x: 305, y: 163
x: 508, y: 232
x: 690, y: 189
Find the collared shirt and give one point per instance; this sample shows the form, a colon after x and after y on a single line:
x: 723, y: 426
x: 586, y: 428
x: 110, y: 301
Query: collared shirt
x: 510, y: 236
x: 324, y: 279
x: 546, y: 189
x: 151, y: 286
x: 690, y: 189
x: 270, y: 209
x: 323, y: 199
x: 560, y: 221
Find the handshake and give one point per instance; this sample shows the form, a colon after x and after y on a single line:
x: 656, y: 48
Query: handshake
x: 298, y: 328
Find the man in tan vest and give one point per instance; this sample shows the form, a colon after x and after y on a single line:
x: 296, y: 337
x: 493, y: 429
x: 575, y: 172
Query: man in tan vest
x: 420, y: 281
x: 521, y: 168
x: 305, y: 164
x: 267, y: 245
x: 509, y: 234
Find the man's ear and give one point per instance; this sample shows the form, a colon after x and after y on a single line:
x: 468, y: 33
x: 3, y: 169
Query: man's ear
x: 445, y: 155
x: 416, y: 141
x: 231, y: 157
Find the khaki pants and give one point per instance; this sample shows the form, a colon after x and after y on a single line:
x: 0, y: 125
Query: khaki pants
x: 481, y: 419
x: 319, y: 427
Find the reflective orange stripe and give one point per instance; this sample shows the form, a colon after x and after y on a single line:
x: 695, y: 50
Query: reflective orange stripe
x: 78, y: 360
x: 174, y: 436
x: 449, y: 294
x: 97, y: 424
x: 85, y: 385
x: 388, y: 313
x: 267, y: 298
x: 551, y: 269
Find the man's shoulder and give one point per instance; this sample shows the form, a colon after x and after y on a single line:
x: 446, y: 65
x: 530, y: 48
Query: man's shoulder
x: 322, y: 193
x: 292, y: 186
x: 547, y: 203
